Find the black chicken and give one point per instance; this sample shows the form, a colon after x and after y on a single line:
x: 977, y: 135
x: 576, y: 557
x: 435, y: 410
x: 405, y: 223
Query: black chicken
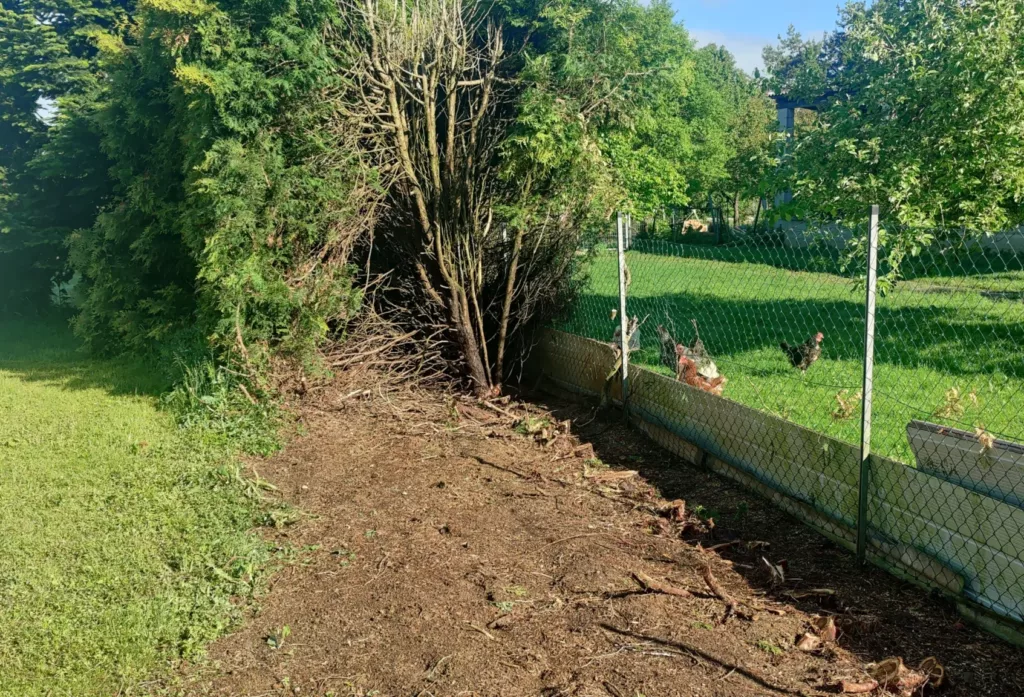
x: 805, y: 354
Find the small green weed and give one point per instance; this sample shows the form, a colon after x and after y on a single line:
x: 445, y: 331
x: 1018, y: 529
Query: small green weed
x: 517, y: 591
x: 345, y: 556
x: 532, y: 425
x: 212, y: 399
x: 281, y: 517
x: 276, y: 639
x: 770, y: 647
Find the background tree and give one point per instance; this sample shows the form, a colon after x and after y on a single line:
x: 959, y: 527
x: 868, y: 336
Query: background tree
x: 922, y: 116
x: 49, y: 73
x: 795, y: 67
x: 482, y: 120
x: 682, y: 141
x: 754, y: 134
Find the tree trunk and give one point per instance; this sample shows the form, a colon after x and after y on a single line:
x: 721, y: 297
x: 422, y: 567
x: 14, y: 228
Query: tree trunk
x: 475, y: 368
x: 736, y: 210
x: 498, y: 377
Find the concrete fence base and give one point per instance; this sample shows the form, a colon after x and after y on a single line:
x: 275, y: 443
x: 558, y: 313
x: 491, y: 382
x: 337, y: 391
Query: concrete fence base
x: 922, y: 528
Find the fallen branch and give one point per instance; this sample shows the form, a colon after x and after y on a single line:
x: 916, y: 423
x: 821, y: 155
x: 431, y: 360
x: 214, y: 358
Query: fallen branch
x: 719, y: 592
x: 503, y: 412
x: 485, y: 461
x: 652, y: 586
x: 721, y: 546
x: 612, y: 690
x: 610, y: 476
x: 246, y: 393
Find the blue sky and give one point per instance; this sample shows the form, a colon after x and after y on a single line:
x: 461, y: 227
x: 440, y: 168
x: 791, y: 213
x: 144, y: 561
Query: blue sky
x: 745, y: 26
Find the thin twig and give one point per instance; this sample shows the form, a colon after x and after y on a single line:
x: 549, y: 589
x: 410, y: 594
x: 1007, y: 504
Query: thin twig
x: 481, y: 630
x: 652, y: 586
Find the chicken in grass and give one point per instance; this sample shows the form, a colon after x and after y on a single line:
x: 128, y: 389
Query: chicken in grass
x: 671, y: 351
x: 805, y: 354
x: 686, y: 371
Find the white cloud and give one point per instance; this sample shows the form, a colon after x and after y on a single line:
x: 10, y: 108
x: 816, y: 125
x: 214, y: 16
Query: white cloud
x: 746, y: 48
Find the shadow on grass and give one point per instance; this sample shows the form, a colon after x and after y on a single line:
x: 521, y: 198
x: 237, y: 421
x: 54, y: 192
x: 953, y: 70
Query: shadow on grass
x: 938, y: 263
x: 45, y: 350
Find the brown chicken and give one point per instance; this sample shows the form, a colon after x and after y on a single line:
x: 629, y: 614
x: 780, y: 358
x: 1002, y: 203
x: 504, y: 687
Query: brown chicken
x: 686, y: 371
x: 805, y: 354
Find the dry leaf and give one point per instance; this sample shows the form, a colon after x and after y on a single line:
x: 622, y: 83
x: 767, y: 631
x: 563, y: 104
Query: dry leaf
x: 808, y: 642
x: 677, y: 511
x: 886, y: 672
x: 826, y: 628
x: 934, y: 670
x: 851, y: 687
x: 986, y: 439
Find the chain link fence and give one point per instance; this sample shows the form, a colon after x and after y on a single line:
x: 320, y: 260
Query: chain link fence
x: 749, y: 351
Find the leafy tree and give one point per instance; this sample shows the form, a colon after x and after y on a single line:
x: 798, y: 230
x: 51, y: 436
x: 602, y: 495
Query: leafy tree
x: 657, y: 149
x: 753, y: 134
x: 682, y: 140
x: 796, y: 67
x: 922, y: 116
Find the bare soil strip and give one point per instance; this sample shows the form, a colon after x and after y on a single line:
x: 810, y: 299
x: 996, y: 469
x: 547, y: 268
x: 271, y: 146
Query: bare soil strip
x: 448, y: 548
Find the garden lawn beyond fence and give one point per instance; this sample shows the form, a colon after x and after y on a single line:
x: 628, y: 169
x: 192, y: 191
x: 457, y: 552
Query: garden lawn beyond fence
x: 949, y: 343
x: 940, y: 498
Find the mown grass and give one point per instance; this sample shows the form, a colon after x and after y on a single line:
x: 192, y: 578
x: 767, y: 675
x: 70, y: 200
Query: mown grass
x: 941, y: 330
x: 124, y: 537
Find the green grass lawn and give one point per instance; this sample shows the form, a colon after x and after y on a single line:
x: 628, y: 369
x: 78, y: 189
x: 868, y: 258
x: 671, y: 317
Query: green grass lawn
x: 938, y: 331
x: 124, y: 537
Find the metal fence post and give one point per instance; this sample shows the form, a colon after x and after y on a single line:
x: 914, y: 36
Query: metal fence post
x: 623, y: 317
x: 869, y: 376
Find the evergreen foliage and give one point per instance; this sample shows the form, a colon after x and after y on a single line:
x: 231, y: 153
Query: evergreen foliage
x: 230, y: 217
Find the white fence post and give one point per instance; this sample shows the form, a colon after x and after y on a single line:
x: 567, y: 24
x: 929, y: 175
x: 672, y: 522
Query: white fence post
x: 621, y: 224
x: 869, y: 377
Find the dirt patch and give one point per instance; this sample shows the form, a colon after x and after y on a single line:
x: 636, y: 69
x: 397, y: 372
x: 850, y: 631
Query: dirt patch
x: 454, y: 549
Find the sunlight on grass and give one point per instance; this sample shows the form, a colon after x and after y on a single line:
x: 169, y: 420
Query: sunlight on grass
x: 124, y: 537
x: 936, y: 332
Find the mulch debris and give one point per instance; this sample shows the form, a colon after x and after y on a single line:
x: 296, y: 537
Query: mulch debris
x: 448, y: 546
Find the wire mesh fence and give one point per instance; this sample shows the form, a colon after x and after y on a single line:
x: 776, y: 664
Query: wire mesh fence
x: 753, y: 348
